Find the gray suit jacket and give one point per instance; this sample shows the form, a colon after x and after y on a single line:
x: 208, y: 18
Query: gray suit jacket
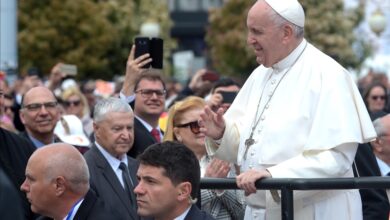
x: 107, y: 186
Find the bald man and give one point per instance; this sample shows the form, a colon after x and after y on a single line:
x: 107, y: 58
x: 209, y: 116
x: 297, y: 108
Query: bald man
x: 299, y: 115
x: 57, y: 185
x: 39, y: 113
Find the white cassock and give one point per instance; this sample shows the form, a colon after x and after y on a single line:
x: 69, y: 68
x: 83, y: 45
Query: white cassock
x: 310, y: 128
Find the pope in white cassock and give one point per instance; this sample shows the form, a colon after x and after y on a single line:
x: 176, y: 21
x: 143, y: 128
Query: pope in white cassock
x: 299, y: 115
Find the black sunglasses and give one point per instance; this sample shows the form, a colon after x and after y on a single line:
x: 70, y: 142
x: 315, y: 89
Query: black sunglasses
x: 194, y: 126
x: 376, y: 97
x: 69, y: 103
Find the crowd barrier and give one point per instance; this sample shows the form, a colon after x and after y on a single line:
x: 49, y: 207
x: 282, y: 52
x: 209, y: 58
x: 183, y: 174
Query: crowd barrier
x: 288, y: 185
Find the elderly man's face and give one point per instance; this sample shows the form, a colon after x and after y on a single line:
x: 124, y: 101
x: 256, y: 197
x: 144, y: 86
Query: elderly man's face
x: 115, y: 133
x: 39, y: 189
x: 40, y: 112
x: 264, y: 36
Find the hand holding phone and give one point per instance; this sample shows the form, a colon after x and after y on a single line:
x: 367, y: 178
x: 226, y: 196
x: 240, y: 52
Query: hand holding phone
x: 228, y: 97
x: 152, y: 46
x: 68, y: 69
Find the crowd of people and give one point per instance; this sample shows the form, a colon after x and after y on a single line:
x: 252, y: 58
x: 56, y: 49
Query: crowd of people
x: 67, y: 153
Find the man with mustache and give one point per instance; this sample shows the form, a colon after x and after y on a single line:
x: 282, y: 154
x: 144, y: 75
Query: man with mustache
x: 112, y: 172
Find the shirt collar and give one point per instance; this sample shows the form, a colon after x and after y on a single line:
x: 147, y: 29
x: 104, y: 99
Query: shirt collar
x: 37, y: 143
x: 291, y: 58
x: 74, y: 210
x: 147, y: 125
x: 113, y: 161
x: 383, y: 167
x: 183, y: 215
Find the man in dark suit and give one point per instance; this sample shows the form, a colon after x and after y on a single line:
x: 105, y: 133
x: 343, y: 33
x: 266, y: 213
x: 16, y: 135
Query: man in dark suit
x: 145, y: 90
x: 39, y: 113
x: 14, y: 154
x: 112, y: 171
x: 169, y: 176
x: 10, y: 204
x: 57, y: 185
x: 375, y: 202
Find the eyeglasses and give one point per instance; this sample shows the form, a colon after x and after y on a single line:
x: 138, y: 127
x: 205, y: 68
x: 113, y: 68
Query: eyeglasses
x: 194, y: 126
x: 69, y: 103
x: 38, y: 106
x: 148, y: 93
x: 376, y: 97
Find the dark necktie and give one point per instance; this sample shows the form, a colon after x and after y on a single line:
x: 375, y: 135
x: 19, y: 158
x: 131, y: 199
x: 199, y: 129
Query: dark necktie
x: 128, y: 184
x: 156, y: 135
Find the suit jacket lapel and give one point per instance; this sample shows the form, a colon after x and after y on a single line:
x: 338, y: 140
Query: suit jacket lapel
x: 142, y: 130
x: 111, y: 178
x: 86, y: 206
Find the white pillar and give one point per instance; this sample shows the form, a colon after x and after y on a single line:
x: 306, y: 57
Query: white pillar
x: 8, y: 34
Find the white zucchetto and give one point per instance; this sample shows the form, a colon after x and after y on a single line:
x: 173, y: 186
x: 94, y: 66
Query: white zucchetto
x: 291, y: 10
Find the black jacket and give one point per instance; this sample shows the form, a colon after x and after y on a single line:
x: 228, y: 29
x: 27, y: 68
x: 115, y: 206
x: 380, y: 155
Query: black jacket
x: 14, y: 154
x: 375, y: 202
x: 105, y: 183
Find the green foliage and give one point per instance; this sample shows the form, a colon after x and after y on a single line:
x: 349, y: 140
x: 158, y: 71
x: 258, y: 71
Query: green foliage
x: 328, y: 26
x: 226, y: 37
x: 95, y: 35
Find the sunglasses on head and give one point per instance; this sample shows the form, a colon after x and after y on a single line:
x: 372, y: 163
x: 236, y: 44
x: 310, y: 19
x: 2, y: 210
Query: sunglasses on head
x: 194, y: 126
x: 376, y: 97
x: 69, y: 103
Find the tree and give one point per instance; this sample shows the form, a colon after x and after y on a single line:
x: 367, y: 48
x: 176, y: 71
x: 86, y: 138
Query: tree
x: 68, y: 31
x: 96, y: 35
x: 328, y: 26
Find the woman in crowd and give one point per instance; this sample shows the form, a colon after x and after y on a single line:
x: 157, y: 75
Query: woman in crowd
x: 75, y: 103
x: 183, y: 126
x: 375, y: 98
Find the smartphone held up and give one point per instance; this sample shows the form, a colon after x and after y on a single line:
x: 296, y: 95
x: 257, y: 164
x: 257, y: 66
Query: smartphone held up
x: 153, y: 46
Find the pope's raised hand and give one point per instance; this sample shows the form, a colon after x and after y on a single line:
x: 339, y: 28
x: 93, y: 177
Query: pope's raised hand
x: 212, y: 124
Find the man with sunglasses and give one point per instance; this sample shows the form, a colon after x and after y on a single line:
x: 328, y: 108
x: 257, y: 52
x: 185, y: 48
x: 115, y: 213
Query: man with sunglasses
x: 39, y: 113
x: 145, y: 90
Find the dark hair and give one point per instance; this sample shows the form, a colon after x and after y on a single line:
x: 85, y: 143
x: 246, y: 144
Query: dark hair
x: 224, y: 82
x: 178, y: 161
x: 150, y: 74
x: 367, y: 92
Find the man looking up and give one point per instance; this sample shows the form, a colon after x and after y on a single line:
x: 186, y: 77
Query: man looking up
x: 299, y: 115
x: 169, y: 176
x: 39, y: 113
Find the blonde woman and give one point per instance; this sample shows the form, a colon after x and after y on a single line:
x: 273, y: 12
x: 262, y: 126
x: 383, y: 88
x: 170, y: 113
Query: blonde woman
x: 182, y: 126
x: 75, y: 103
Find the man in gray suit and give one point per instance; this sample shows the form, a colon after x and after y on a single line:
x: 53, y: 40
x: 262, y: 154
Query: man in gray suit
x: 112, y: 172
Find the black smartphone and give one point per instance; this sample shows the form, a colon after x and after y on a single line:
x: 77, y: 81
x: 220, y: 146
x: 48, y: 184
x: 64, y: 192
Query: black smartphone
x: 228, y: 97
x: 156, y: 52
x: 142, y: 46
